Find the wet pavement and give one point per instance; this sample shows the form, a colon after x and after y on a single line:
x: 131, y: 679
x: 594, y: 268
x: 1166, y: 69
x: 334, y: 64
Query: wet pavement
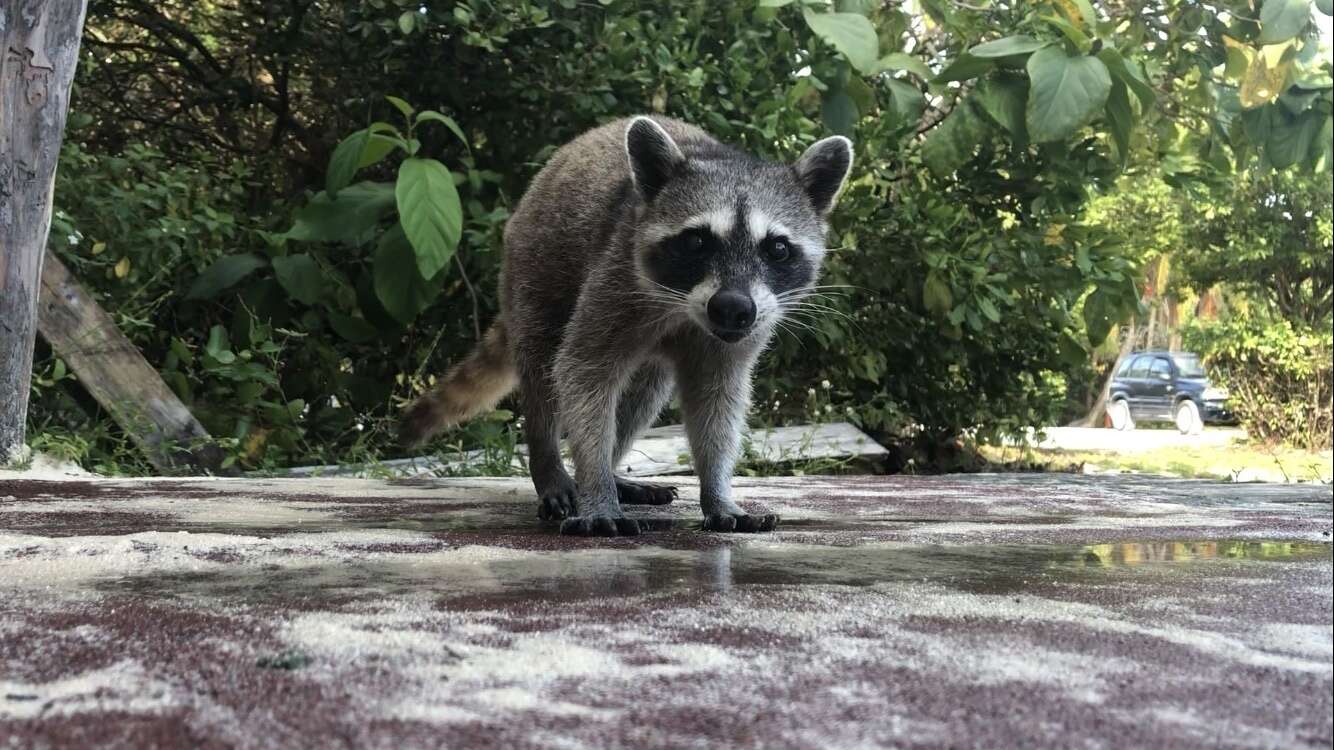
x: 982, y: 610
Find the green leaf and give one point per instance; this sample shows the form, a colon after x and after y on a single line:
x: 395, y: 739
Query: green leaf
x: 1064, y: 93
x: 399, y: 286
x: 447, y: 121
x: 1120, y: 119
x: 849, y: 33
x: 1071, y: 32
x: 1125, y: 72
x: 345, y: 161
x: 429, y: 210
x: 839, y: 112
x: 349, y: 218
x: 936, y: 295
x: 906, y: 102
x: 950, y: 144
x: 377, y: 147
x: 904, y: 61
x: 862, y: 95
x: 301, y: 276
x: 1322, y: 156
x: 223, y: 273
x: 218, y: 347
x: 1325, y: 6
x: 1290, y: 139
x: 1082, y: 260
x: 774, y: 3
x: 1003, y: 98
x: 356, y: 330
x: 964, y: 68
x: 1098, y: 312
x: 1072, y: 352
x: 407, y: 21
x: 988, y: 309
x: 401, y: 106
x: 1007, y: 46
x: 1281, y: 20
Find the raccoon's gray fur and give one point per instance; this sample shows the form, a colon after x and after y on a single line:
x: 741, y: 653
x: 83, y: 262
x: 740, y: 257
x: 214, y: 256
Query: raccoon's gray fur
x: 646, y: 257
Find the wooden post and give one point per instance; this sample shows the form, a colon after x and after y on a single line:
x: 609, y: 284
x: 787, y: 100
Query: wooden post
x: 37, y: 59
x: 113, y: 370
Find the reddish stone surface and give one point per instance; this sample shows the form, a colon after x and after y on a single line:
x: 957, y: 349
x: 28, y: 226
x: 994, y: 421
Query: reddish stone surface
x: 967, y: 611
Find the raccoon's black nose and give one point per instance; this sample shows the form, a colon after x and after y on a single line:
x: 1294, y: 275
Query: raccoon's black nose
x: 731, y: 313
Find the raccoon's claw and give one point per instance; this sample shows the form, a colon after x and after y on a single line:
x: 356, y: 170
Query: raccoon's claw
x: 600, y: 526
x: 643, y: 493
x: 553, y: 506
x: 745, y: 523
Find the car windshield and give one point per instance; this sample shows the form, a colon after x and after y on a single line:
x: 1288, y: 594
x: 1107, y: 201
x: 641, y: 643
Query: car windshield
x: 1188, y: 365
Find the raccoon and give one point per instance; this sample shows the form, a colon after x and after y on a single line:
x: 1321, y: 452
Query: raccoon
x: 646, y: 259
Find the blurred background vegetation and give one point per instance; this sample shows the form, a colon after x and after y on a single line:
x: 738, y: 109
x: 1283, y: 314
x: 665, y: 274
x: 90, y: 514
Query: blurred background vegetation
x: 1039, y: 187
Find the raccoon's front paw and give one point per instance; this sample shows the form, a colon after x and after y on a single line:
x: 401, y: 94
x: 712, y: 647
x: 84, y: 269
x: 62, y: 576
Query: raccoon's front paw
x: 740, y: 522
x: 557, y: 502
x: 643, y: 493
x: 600, y: 526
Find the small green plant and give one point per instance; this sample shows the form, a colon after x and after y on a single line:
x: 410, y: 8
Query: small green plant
x: 410, y: 253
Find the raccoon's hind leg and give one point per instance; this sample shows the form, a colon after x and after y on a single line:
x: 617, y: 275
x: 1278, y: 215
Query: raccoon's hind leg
x: 638, y: 406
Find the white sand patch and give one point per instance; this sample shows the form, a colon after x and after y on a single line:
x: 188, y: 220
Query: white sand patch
x: 1025, y: 607
x: 45, y: 466
x: 1314, y: 641
x: 1213, y: 730
x: 43, y: 562
x: 123, y: 686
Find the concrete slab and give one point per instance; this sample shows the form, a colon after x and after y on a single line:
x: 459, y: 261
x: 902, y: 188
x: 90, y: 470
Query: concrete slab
x: 660, y: 451
x: 1001, y: 610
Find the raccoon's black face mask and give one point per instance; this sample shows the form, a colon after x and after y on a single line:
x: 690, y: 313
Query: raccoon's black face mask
x: 731, y: 238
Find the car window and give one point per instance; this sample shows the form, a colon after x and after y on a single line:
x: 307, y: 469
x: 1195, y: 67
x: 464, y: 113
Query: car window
x: 1161, y: 367
x: 1124, y: 370
x: 1188, y: 365
x: 1140, y: 369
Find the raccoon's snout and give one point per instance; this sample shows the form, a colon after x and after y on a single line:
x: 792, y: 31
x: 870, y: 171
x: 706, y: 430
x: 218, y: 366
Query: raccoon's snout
x: 731, y: 315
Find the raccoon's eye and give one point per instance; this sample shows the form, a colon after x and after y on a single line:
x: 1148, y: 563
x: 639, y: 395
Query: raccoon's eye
x: 778, y: 250
x: 691, y: 242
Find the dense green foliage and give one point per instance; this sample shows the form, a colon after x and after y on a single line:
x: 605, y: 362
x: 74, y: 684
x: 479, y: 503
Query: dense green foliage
x: 277, y: 293
x: 1280, y: 376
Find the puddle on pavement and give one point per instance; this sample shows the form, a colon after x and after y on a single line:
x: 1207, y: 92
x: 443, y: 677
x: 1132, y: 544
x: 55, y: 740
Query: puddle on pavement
x: 573, y: 574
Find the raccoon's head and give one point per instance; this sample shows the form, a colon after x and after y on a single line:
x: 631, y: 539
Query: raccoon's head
x: 730, y: 240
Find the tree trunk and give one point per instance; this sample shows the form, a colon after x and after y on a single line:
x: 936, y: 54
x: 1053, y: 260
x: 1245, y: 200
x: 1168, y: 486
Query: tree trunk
x: 1174, y: 324
x: 1095, y: 415
x: 41, y: 48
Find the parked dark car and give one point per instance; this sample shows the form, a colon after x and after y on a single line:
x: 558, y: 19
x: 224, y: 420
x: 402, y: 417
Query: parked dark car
x: 1165, y: 386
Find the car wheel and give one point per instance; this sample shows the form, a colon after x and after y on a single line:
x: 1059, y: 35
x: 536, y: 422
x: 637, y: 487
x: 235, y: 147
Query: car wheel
x: 1119, y: 411
x: 1188, y: 418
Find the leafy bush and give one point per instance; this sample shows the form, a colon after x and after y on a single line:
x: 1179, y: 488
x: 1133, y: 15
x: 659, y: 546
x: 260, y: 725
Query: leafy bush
x: 1279, y: 374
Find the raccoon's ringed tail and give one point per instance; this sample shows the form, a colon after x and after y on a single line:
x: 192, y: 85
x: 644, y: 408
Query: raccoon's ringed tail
x: 471, y: 387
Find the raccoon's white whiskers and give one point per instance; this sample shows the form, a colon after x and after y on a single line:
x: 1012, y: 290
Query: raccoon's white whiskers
x: 816, y: 309
x: 662, y: 289
x: 817, y: 290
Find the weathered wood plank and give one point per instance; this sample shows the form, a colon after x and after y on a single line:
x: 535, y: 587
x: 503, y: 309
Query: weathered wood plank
x: 112, y: 369
x: 39, y: 47
x: 660, y: 451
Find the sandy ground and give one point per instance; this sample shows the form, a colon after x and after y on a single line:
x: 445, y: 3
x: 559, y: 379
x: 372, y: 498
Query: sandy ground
x: 1140, y: 440
x: 962, y: 611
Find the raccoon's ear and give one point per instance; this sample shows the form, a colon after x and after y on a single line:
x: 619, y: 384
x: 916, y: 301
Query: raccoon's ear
x: 654, y: 156
x: 823, y: 169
